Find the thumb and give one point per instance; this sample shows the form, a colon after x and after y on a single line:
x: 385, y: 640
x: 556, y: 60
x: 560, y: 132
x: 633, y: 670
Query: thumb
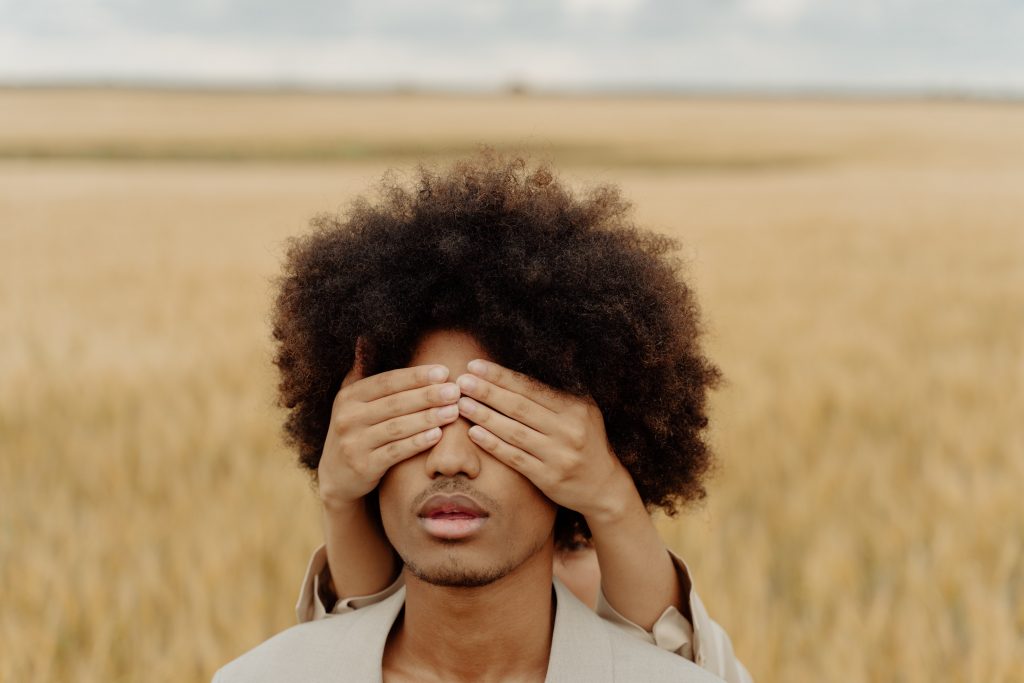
x: 358, y: 369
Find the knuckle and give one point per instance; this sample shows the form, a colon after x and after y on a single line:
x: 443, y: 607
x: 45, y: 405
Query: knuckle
x: 520, y: 410
x: 436, y: 394
x: 572, y: 464
x: 393, y: 450
x: 344, y: 414
x: 577, y: 436
x: 559, y: 477
x: 343, y: 445
x: 518, y: 436
x: 392, y: 404
x: 481, y: 415
x: 385, y: 382
x: 392, y: 428
x: 339, y: 424
x: 359, y: 468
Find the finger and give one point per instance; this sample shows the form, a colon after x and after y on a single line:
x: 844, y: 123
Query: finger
x: 395, y: 381
x: 408, y: 425
x: 408, y: 402
x: 393, y: 452
x: 516, y: 458
x: 517, y: 382
x: 517, y: 406
x: 505, y: 428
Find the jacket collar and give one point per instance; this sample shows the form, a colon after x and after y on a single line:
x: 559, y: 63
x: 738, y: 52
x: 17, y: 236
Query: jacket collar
x: 580, y: 645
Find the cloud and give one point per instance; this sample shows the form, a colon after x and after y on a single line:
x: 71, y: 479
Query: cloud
x: 615, y: 7
x: 775, y: 11
x: 572, y: 43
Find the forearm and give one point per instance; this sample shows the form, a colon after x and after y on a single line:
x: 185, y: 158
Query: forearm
x: 361, y: 560
x: 638, y: 577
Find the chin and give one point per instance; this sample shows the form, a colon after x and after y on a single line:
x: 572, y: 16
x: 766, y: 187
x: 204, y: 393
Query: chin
x: 455, y: 574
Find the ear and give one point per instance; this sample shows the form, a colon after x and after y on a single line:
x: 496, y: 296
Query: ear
x: 358, y: 369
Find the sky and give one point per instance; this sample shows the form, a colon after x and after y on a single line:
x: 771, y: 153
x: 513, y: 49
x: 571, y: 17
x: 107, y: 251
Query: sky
x: 931, y: 45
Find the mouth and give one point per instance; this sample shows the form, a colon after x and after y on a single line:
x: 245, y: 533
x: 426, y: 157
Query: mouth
x: 451, y: 517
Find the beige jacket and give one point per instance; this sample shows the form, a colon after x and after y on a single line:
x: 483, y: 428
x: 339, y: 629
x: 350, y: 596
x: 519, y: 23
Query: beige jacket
x: 704, y: 642
x: 350, y: 647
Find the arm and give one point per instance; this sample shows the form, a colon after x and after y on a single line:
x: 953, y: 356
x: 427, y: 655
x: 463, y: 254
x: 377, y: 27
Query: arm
x: 638, y: 577
x: 374, y: 567
x: 646, y: 589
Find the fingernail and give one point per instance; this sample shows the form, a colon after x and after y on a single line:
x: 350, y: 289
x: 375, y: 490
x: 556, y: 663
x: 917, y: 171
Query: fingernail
x: 467, y: 404
x: 467, y: 382
x: 438, y: 374
x: 449, y: 391
x: 477, y: 366
x: 448, y: 411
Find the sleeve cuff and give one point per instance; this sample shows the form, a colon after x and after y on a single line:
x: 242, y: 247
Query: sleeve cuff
x: 711, y: 647
x: 672, y: 631
x: 703, y: 641
x: 310, y: 605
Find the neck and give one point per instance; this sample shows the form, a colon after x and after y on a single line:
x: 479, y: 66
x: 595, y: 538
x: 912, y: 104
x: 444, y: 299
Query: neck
x: 501, y: 631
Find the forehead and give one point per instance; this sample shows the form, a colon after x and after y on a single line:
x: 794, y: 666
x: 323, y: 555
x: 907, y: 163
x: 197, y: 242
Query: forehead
x: 452, y: 348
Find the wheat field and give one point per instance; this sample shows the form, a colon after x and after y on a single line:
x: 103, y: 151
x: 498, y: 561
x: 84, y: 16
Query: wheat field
x: 860, y: 265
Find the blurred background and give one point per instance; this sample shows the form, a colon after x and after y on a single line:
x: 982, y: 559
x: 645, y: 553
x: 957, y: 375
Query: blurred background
x: 847, y: 181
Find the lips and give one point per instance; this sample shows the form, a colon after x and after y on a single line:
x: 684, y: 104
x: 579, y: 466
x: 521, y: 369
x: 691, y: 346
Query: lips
x: 451, y: 517
x: 451, y: 507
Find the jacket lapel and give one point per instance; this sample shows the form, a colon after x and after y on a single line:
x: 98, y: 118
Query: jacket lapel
x: 580, y: 646
x: 360, y: 657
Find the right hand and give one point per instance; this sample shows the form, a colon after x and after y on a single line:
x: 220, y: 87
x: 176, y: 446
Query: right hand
x: 379, y: 421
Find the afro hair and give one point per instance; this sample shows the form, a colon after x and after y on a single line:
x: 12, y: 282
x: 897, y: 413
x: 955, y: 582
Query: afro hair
x: 560, y: 286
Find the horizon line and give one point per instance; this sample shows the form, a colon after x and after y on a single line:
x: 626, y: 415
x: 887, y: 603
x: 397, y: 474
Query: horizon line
x: 522, y: 88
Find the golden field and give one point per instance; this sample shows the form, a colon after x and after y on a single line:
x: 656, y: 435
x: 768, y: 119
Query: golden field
x: 861, y: 270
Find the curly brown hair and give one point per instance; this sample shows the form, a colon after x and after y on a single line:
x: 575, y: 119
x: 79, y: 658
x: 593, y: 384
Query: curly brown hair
x: 560, y: 287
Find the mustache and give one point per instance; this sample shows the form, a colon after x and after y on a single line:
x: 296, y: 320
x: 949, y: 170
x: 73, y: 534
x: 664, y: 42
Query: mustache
x: 454, y: 485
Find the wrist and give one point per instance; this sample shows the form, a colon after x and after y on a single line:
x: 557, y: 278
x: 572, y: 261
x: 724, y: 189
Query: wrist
x: 620, y: 502
x: 342, y: 506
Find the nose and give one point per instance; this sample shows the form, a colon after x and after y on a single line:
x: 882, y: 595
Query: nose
x: 455, y: 453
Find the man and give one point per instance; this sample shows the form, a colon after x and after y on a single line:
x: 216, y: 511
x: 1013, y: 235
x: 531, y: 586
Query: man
x: 488, y: 261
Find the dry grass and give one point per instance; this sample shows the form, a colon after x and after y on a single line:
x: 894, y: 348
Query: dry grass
x: 861, y: 267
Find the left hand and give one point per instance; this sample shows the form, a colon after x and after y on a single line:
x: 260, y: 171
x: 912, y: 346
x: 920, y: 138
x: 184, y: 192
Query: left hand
x: 554, y: 439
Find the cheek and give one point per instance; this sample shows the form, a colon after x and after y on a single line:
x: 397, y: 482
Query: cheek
x: 390, y: 498
x: 535, y: 507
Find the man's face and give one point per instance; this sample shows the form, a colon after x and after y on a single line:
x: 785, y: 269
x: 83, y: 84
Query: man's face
x: 456, y: 515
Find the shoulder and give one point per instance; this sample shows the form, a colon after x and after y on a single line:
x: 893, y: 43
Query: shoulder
x: 295, y: 654
x: 586, y: 647
x: 636, y: 660
x: 345, y: 647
